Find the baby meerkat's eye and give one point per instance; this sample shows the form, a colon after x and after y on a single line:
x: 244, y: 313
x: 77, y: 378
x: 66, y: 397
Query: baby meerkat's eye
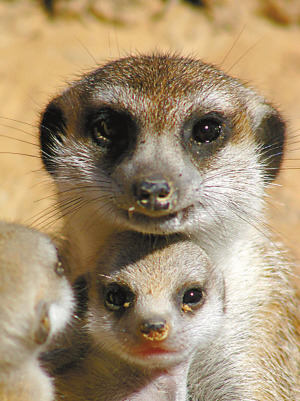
x: 117, y: 297
x: 206, y: 130
x: 192, y: 297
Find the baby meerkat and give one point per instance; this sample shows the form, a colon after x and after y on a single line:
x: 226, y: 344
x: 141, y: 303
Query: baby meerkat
x: 157, y: 327
x: 151, y: 304
x: 36, y: 302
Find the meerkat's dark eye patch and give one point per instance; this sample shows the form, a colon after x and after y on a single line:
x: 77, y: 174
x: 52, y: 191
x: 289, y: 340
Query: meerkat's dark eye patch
x: 193, y: 297
x: 206, y: 130
x: 270, y: 135
x: 117, y: 297
x: 52, y: 131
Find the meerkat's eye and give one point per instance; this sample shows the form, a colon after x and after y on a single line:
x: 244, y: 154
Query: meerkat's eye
x: 110, y: 129
x: 117, y: 297
x: 192, y: 297
x: 103, y: 132
x: 206, y: 130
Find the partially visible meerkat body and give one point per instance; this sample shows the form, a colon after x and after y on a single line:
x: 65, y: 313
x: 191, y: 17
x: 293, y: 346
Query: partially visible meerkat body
x: 36, y: 302
x: 149, y: 308
x: 257, y: 357
x: 165, y: 144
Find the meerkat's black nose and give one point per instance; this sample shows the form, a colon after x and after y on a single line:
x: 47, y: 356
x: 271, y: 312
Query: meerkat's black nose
x: 153, y: 194
x: 149, y: 326
x: 155, y: 329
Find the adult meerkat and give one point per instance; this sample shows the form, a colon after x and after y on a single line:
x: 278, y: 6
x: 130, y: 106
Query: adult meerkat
x: 36, y: 302
x: 151, y: 304
x: 164, y: 144
x: 161, y: 144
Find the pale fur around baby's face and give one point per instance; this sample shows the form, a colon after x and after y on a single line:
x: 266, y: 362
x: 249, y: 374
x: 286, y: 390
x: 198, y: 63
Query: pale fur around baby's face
x: 169, y: 301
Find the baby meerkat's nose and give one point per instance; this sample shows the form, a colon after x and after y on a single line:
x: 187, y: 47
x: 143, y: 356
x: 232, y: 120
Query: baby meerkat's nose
x: 155, y: 330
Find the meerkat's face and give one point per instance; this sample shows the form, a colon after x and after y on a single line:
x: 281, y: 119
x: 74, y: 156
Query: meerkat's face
x: 162, y: 144
x: 36, y: 300
x: 157, y: 310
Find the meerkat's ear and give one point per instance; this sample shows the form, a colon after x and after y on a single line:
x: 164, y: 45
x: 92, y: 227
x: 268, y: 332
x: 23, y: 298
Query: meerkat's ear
x: 42, y: 325
x: 270, y: 133
x: 52, y: 129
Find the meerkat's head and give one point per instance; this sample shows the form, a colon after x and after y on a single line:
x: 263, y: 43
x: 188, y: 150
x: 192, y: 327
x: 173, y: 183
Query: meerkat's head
x: 162, y: 144
x: 36, y: 300
x: 153, y: 304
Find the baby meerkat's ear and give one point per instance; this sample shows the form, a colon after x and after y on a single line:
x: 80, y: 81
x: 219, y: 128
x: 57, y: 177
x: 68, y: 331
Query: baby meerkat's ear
x: 270, y: 131
x: 52, y: 130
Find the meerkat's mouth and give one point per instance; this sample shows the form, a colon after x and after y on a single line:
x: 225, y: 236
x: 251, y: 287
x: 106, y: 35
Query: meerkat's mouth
x: 151, y: 351
x: 167, y: 223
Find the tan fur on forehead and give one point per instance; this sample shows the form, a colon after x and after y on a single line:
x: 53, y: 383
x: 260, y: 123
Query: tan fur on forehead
x: 164, y: 70
x: 160, y: 270
x: 155, y: 84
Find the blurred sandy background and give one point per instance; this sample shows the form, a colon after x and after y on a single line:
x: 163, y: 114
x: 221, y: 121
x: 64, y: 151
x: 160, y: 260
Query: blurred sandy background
x: 39, y: 53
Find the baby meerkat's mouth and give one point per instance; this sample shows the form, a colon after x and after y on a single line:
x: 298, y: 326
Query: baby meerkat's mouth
x: 151, y: 351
